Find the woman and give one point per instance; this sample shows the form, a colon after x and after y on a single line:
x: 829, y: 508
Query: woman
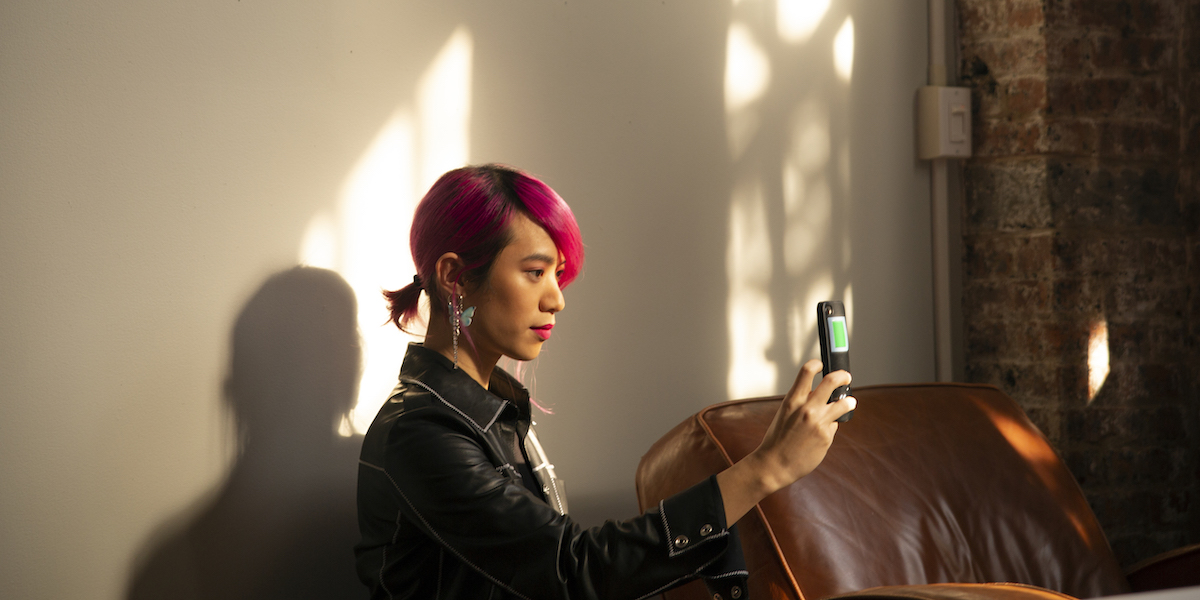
x: 449, y: 506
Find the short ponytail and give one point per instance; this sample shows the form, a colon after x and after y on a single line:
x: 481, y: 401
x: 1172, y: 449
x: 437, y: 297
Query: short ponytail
x: 404, y: 304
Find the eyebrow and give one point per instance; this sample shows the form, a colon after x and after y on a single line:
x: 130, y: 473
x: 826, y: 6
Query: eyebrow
x: 538, y: 256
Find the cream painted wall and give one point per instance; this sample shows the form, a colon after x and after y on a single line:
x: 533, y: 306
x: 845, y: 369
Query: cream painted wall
x: 159, y: 161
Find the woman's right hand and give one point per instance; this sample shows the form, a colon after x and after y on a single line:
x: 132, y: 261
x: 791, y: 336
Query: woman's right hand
x: 795, y: 442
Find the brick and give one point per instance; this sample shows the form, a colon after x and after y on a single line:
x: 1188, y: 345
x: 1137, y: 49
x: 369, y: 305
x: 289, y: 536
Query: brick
x: 1146, y: 195
x: 1071, y: 136
x: 1078, y: 195
x: 988, y: 18
x: 1121, y: 386
x: 1142, y: 140
x: 1148, y: 299
x: 1006, y: 195
x: 1073, y: 384
x: 1104, y: 97
x: 1190, y: 59
x: 1015, y: 57
x: 1094, y: 425
x: 1160, y: 256
x: 1033, y: 256
x: 1190, y: 137
x: 1016, y: 99
x: 1085, y: 195
x: 1133, y: 384
x: 1087, y: 96
x: 1133, y: 55
x: 1189, y: 88
x: 1063, y: 339
x: 1152, y: 97
x: 1023, y: 98
x: 1119, y: 15
x: 1189, y: 205
x: 1012, y: 298
x: 1161, y: 425
x: 1078, y: 297
x: 1003, y: 137
x: 1150, y: 340
x: 976, y: 74
x: 1154, y: 466
x: 1076, y: 256
x: 1020, y: 256
x: 1161, y: 381
x: 987, y: 257
x: 1068, y: 54
x: 1086, y: 466
x: 1180, y: 502
x: 985, y: 339
x: 989, y: 299
x: 978, y: 370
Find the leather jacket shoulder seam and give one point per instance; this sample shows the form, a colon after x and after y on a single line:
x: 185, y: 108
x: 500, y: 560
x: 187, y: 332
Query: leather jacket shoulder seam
x: 456, y: 409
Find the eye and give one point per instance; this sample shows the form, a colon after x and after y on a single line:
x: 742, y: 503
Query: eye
x: 559, y: 274
x: 536, y: 273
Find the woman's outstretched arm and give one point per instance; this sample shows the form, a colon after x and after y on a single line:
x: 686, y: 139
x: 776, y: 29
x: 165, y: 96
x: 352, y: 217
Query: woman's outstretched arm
x: 794, y: 445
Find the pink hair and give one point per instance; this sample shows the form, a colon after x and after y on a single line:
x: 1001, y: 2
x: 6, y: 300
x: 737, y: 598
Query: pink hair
x: 468, y: 212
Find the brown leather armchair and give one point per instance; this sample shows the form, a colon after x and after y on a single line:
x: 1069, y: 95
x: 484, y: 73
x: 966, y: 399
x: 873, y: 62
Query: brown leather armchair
x: 933, y: 490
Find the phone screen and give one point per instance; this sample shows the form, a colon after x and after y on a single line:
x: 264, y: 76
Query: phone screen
x: 839, y: 341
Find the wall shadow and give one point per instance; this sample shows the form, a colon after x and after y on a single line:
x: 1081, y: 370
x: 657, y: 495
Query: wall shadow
x: 283, y: 523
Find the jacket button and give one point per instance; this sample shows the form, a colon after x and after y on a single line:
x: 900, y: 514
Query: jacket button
x: 735, y: 593
x: 681, y: 541
x: 716, y: 596
x: 706, y: 530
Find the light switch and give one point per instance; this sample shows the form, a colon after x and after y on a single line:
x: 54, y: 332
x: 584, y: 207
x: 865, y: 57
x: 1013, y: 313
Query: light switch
x: 943, y: 122
x: 958, y: 123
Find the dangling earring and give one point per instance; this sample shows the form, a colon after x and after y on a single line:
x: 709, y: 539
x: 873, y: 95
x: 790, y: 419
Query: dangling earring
x: 459, y: 318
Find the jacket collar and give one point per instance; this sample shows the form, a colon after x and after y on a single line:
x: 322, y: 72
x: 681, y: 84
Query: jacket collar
x: 483, y: 407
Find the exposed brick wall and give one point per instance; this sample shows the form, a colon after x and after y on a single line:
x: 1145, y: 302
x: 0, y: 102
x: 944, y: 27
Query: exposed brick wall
x: 1083, y: 212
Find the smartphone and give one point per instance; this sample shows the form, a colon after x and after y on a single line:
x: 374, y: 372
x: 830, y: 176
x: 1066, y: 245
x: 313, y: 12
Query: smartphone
x: 835, y: 346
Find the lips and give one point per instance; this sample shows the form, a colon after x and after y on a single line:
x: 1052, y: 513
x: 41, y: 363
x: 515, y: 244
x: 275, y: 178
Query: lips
x: 543, y: 331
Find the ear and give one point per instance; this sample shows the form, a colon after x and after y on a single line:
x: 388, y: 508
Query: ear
x: 449, y: 268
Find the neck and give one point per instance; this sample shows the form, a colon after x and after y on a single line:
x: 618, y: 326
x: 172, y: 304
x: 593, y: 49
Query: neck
x: 440, y: 338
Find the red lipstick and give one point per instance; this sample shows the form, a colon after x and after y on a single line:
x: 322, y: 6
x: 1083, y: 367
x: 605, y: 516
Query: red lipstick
x: 543, y: 331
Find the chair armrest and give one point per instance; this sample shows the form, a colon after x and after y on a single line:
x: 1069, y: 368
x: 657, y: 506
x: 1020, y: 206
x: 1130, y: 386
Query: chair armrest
x: 1177, y: 568
x: 955, y: 591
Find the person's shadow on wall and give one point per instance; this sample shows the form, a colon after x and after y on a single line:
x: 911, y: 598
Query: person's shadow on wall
x: 283, y: 524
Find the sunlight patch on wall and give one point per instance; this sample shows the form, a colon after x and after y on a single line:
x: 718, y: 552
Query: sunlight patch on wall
x: 807, y: 197
x: 365, y: 238
x: 747, y: 78
x: 444, y: 108
x: 750, y: 321
x: 1097, y: 358
x: 843, y: 50
x: 319, y: 246
x: 797, y: 20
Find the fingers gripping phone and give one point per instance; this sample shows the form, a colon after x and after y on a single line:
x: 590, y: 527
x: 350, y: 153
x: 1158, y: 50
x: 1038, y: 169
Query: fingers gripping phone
x: 835, y: 346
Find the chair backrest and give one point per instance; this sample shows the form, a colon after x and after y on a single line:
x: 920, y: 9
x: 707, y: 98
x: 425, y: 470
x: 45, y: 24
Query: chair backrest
x: 929, y: 483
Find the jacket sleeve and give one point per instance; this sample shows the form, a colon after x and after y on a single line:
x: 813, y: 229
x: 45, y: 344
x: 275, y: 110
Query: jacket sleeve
x: 483, y: 516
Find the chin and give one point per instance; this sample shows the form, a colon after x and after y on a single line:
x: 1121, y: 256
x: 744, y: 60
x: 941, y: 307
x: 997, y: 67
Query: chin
x: 526, y: 355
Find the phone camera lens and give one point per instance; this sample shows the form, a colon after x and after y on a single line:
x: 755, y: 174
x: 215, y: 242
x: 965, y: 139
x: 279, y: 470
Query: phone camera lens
x: 828, y: 310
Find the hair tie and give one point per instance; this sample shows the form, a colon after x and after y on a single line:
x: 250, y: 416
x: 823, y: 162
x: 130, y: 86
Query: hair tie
x: 417, y: 281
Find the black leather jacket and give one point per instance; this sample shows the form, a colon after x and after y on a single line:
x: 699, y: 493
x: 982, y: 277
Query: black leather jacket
x: 445, y: 512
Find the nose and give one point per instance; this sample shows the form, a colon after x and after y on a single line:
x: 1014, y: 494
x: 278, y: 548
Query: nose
x: 553, y: 300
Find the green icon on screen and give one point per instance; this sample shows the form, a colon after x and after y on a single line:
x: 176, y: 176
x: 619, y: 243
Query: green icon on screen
x: 837, y: 331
